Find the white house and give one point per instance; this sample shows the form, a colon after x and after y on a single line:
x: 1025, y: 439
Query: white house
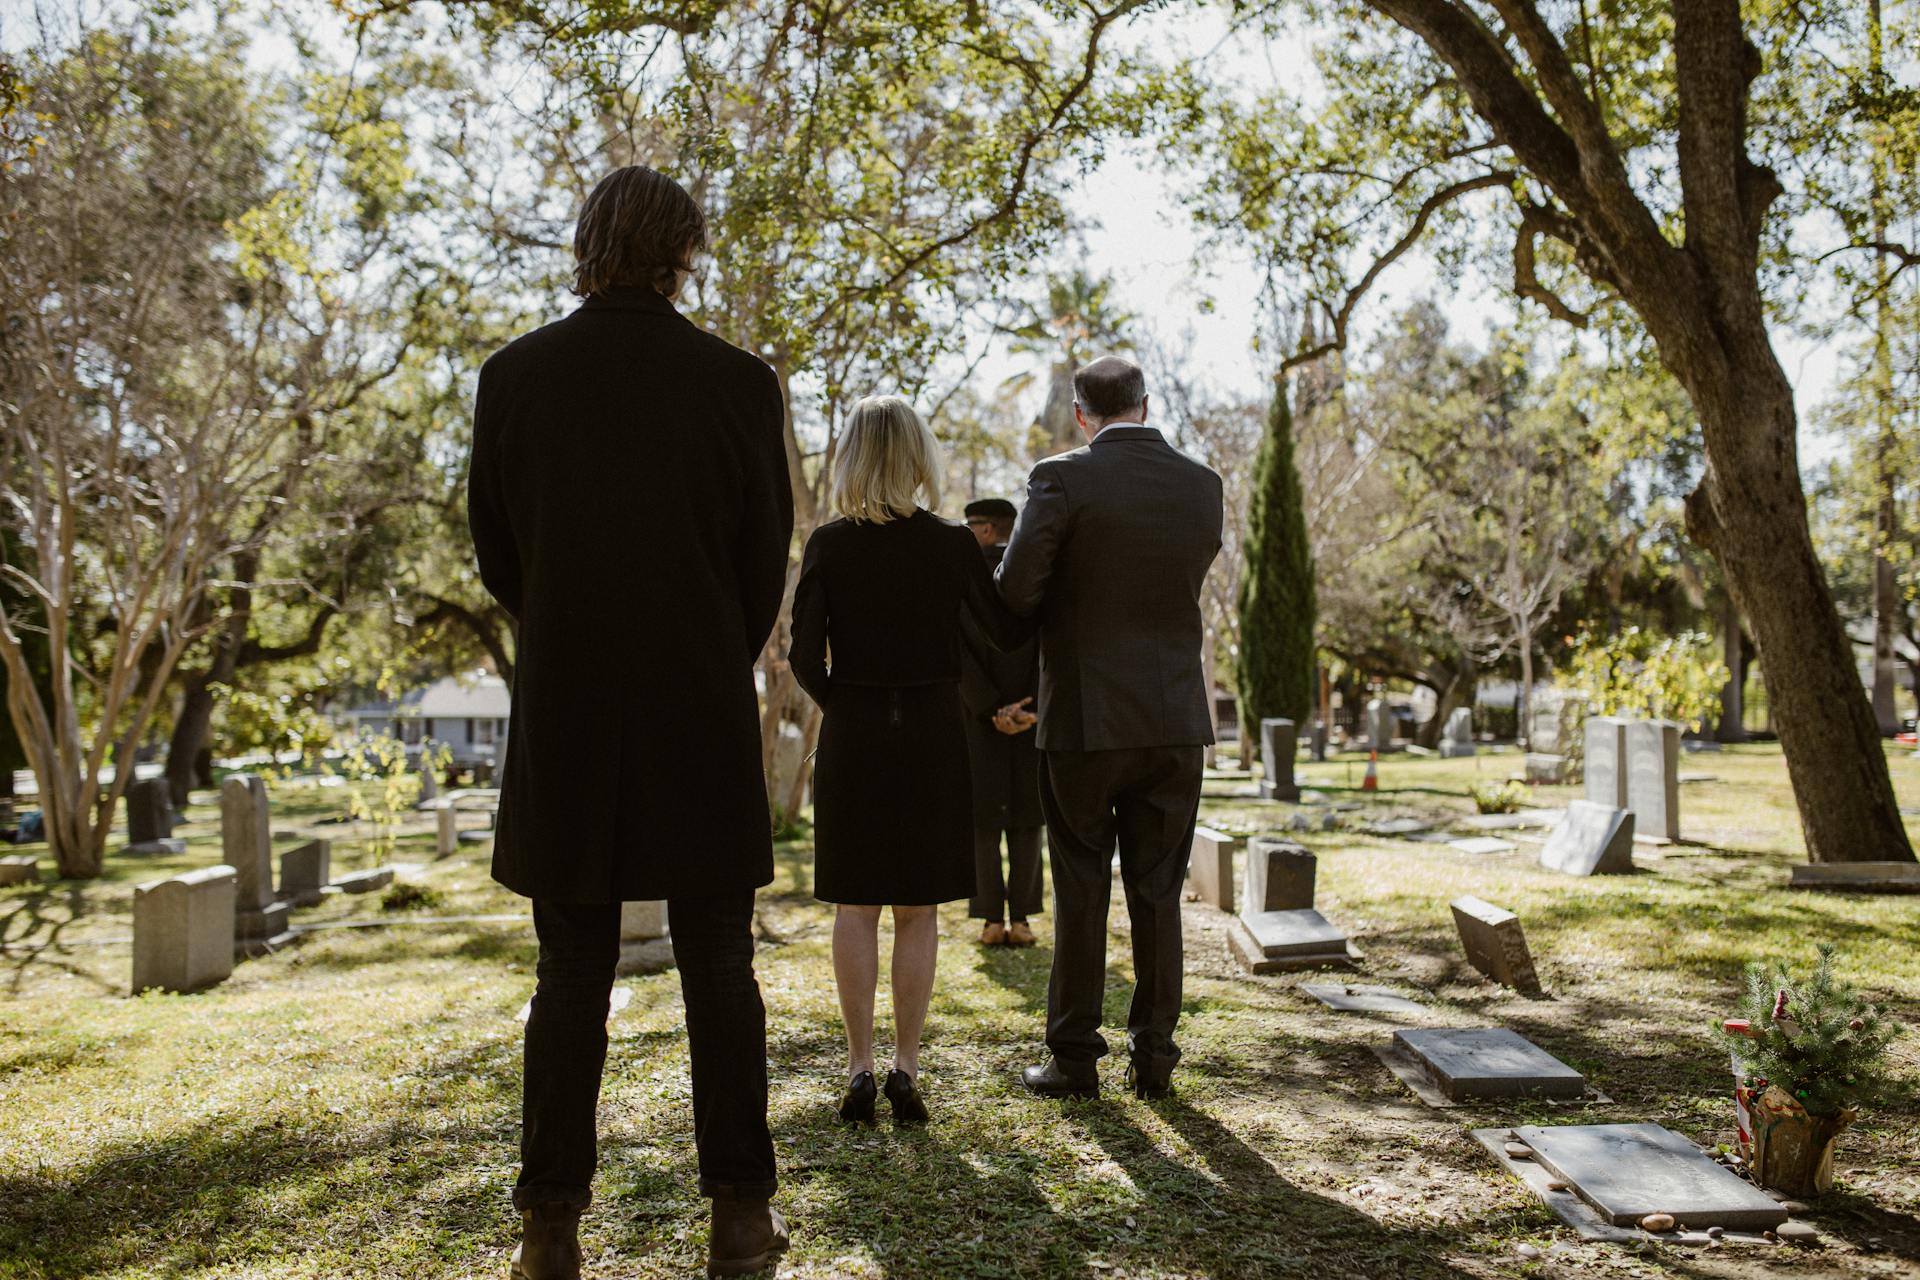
x: 466, y: 714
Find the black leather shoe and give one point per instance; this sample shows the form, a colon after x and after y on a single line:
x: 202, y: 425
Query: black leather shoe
x: 1055, y: 1081
x: 856, y: 1104
x: 908, y: 1106
x: 549, y: 1247
x: 745, y: 1238
x: 1148, y: 1083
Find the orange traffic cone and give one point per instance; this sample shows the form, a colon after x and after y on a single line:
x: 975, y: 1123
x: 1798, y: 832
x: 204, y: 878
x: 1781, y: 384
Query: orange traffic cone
x: 1372, y: 781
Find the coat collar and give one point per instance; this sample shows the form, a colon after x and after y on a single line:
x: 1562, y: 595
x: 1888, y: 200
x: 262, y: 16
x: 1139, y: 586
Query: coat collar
x: 630, y: 298
x: 1129, y: 431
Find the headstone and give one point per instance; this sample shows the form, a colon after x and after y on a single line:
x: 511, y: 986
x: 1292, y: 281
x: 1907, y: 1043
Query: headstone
x: 1547, y: 770
x: 19, y: 868
x: 304, y: 872
x: 1456, y: 740
x: 1628, y: 1171
x: 1317, y: 739
x: 1653, y: 777
x: 789, y: 757
x: 446, y: 837
x: 1279, y: 874
x: 1279, y: 740
x: 1495, y: 943
x: 1348, y: 999
x: 1606, y: 762
x: 1280, y: 941
x: 370, y: 881
x: 183, y: 930
x: 1379, y: 726
x: 1554, y: 717
x: 1489, y: 1062
x: 246, y: 840
x: 1210, y: 867
x: 644, y: 944
x: 1592, y: 840
x: 150, y: 819
x: 1854, y: 877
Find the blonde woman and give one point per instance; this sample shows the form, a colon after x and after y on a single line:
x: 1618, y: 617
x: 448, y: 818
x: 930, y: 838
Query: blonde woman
x: 883, y: 587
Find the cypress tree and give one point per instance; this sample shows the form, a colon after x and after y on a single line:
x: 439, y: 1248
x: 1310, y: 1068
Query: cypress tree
x: 1277, y: 613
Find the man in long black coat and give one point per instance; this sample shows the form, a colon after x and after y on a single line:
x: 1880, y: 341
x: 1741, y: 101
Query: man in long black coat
x: 997, y: 692
x: 630, y: 507
x: 1110, y: 553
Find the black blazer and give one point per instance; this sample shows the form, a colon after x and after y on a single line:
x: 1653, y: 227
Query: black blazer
x: 888, y: 599
x: 1006, y: 767
x: 1109, y: 553
x: 630, y: 507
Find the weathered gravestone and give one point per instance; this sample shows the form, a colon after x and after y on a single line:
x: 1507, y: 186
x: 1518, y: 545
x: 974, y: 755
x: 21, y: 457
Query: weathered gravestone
x: 1545, y: 769
x: 1488, y: 1062
x: 446, y: 829
x: 1210, y: 867
x: 1852, y: 877
x: 183, y: 930
x: 1495, y: 943
x: 1591, y: 840
x: 644, y: 944
x: 1279, y: 875
x: 1279, y: 739
x: 1379, y: 726
x: 1628, y: 1171
x: 1349, y: 999
x: 1282, y: 941
x: 1606, y: 762
x: 789, y: 758
x: 1317, y: 739
x: 1653, y: 777
x: 370, y: 881
x: 150, y: 818
x: 1456, y: 740
x: 305, y: 870
x: 19, y: 868
x: 246, y: 839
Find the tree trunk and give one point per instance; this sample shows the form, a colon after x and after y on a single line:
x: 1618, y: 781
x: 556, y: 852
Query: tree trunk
x: 1886, y: 604
x: 1733, y: 695
x: 1525, y: 695
x: 190, y: 730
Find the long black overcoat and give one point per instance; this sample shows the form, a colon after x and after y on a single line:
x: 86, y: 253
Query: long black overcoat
x: 1006, y: 767
x: 630, y: 507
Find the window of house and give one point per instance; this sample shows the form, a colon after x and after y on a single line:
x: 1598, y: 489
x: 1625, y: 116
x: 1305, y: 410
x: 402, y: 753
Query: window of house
x: 483, y: 731
x: 410, y: 732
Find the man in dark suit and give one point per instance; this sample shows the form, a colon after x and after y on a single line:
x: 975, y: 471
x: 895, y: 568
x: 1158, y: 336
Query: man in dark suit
x: 634, y: 767
x: 997, y: 692
x: 1110, y: 554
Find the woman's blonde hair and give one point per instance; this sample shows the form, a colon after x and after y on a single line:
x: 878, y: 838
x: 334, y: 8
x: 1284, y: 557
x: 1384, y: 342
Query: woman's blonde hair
x: 888, y: 462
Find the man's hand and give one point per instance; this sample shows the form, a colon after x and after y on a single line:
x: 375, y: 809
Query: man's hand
x: 1014, y: 718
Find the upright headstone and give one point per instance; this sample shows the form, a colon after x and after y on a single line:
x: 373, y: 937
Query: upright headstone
x: 789, y: 757
x: 1210, y: 867
x: 1591, y: 840
x: 1495, y: 943
x: 304, y: 872
x: 1606, y: 763
x: 183, y: 930
x: 643, y: 921
x: 1653, y: 777
x: 1456, y: 740
x: 1379, y: 725
x: 1279, y: 739
x: 150, y: 818
x: 446, y: 829
x: 1280, y: 875
x: 246, y: 839
x: 1317, y: 738
x: 19, y: 868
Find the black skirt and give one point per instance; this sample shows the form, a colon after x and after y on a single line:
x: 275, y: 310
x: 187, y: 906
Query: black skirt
x: 893, y: 798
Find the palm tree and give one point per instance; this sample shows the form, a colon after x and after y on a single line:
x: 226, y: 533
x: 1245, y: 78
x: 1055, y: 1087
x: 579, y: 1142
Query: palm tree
x: 1078, y: 323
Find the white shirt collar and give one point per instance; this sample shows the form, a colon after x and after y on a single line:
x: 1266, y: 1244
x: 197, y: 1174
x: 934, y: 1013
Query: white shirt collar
x: 1111, y: 425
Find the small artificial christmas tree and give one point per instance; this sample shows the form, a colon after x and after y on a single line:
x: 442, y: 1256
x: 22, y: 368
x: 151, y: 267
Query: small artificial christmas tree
x: 1816, y: 1038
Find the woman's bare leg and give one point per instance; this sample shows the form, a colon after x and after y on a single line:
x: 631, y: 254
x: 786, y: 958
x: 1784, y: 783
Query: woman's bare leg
x: 916, y: 946
x: 856, y: 971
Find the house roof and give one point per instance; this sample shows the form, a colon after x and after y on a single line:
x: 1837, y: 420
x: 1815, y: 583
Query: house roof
x: 477, y: 695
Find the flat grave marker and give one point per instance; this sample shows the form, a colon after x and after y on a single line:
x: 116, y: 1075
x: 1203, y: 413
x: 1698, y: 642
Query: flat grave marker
x: 1284, y: 941
x: 1858, y: 877
x: 1483, y: 845
x: 1403, y: 827
x: 1351, y: 999
x: 1627, y: 1171
x: 369, y: 881
x: 1471, y: 1063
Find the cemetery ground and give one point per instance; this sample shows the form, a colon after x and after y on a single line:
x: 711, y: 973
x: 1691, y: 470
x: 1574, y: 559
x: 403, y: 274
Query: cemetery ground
x: 348, y: 1106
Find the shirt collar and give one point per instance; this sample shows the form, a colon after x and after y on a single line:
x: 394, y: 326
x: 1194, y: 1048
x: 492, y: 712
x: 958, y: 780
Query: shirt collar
x: 1127, y: 431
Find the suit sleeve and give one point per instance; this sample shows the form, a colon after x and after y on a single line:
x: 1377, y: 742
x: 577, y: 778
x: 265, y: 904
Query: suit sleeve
x: 493, y: 544
x: 808, y: 654
x: 1037, y: 538
x: 766, y: 528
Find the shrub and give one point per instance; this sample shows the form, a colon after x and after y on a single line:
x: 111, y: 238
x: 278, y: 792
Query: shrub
x: 1499, y: 797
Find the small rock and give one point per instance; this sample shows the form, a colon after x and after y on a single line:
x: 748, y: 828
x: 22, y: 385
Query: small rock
x: 1791, y: 1232
x: 1520, y: 1151
x: 1714, y: 1233
x: 1657, y: 1222
x: 1527, y: 1251
x: 1793, y: 1206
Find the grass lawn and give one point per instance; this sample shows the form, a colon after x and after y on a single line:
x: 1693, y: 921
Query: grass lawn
x: 349, y: 1106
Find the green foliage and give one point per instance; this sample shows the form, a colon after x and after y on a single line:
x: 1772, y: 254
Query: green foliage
x: 1498, y: 797
x: 1814, y: 1036
x: 1640, y: 673
x: 405, y: 895
x: 378, y: 791
x: 272, y: 721
x: 1277, y: 607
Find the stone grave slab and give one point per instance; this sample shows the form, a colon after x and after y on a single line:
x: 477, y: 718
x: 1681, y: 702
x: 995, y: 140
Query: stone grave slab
x: 1279, y: 740
x: 1483, y: 845
x: 1285, y: 941
x: 1591, y: 840
x: 19, y: 868
x: 1627, y: 1171
x: 1544, y: 768
x: 1689, y: 777
x: 1495, y: 943
x: 1279, y: 875
x: 1471, y: 1063
x: 1653, y: 777
x: 1210, y: 868
x: 1858, y: 877
x: 1351, y: 999
x: 365, y: 881
x: 304, y: 872
x: 476, y: 835
x: 1399, y: 827
x: 183, y: 931
x: 1524, y: 820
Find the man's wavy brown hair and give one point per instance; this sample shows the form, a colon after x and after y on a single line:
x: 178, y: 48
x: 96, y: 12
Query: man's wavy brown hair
x: 638, y: 228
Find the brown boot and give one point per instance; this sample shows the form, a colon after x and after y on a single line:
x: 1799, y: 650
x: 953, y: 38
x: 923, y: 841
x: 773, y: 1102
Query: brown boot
x: 747, y: 1235
x: 549, y: 1247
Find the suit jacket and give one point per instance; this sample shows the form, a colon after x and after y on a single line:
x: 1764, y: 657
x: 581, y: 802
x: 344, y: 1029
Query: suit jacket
x: 1110, y: 553
x: 630, y: 507
x: 1006, y: 767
